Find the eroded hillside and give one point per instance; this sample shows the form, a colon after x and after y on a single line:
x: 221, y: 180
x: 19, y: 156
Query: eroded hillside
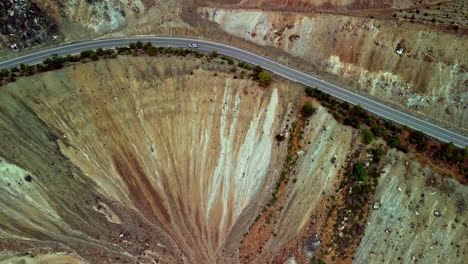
x: 394, y: 51
x: 176, y: 160
x: 401, y: 64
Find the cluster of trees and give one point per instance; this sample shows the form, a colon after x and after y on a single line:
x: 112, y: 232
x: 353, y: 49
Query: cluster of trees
x: 355, y: 116
x: 245, y: 66
x: 228, y: 60
x: 450, y: 154
x: 57, y: 62
x: 148, y: 48
x: 262, y: 77
x: 307, y: 110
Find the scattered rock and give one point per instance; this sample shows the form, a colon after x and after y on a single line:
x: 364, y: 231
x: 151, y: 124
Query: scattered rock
x: 416, y: 212
x: 376, y: 205
x: 437, y: 213
x: 311, y: 245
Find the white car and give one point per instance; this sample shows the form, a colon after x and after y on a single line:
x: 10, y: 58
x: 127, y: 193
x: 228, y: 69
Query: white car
x: 193, y: 45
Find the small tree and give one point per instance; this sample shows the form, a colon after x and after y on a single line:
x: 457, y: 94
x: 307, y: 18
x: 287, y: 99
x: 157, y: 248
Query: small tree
x: 352, y: 121
x: 377, y: 130
x: 214, y: 54
x: 139, y: 44
x: 256, y: 72
x: 264, y: 78
x: 417, y: 137
x: 307, y: 109
x: 367, y: 136
x: 147, y: 46
x: 94, y: 56
x: 4, y: 73
x: 86, y: 53
x: 99, y: 51
x: 446, y: 152
x: 360, y: 172
x: 393, y: 141
x: 132, y: 45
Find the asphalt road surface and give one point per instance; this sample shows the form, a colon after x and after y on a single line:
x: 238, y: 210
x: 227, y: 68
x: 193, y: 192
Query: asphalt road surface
x: 279, y: 69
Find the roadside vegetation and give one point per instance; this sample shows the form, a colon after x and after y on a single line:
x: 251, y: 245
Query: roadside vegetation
x: 262, y: 77
x: 400, y: 137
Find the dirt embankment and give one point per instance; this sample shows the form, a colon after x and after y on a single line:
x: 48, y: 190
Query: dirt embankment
x: 143, y: 159
x: 422, y: 218
x: 403, y: 64
x: 136, y: 159
x: 311, y: 5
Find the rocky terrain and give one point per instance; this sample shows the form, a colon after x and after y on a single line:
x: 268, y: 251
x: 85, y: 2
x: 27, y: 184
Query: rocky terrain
x: 23, y: 23
x: 308, y: 5
x: 402, y: 64
x: 180, y: 160
x: 394, y: 51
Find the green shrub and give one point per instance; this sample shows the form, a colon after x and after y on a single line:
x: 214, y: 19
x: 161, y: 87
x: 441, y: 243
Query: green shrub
x: 393, y: 141
x: 244, y: 65
x: 132, y: 45
x: 214, y: 54
x: 446, y: 152
x: 27, y: 69
x: 99, y: 51
x: 256, y: 72
x: 367, y: 136
x: 376, y: 154
x: 54, y: 62
x: 94, y: 56
x: 4, y: 72
x: 417, y: 137
x: 378, y: 130
x: 139, y: 44
x: 360, y: 172
x: 307, y: 109
x: 352, y: 121
x: 147, y: 46
x: 264, y: 78
x: 86, y: 53
x: 358, y: 111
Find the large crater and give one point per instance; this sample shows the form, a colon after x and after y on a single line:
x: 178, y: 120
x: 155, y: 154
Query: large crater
x: 158, y: 152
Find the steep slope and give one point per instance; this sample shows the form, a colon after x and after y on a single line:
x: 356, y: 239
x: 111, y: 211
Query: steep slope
x: 403, y: 64
x: 422, y: 218
x: 301, y: 5
x: 184, y: 154
x: 174, y: 160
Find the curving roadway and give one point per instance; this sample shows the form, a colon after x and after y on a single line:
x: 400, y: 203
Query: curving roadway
x: 279, y: 69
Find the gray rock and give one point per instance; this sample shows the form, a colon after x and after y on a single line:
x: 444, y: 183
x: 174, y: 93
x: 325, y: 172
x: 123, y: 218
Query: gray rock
x: 311, y: 245
x: 376, y: 205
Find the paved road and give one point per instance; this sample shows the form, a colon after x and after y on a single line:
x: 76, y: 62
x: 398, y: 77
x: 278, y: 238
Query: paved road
x: 279, y: 69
